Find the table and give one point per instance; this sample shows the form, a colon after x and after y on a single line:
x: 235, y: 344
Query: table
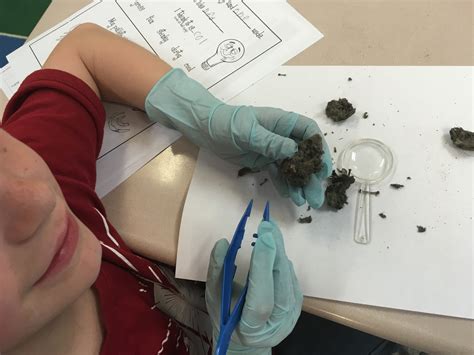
x: 146, y: 209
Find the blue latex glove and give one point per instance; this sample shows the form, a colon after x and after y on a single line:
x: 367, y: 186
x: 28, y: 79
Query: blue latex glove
x: 274, y: 299
x: 254, y: 137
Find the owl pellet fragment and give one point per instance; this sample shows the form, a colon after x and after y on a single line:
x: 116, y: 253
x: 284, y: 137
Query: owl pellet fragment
x: 461, y: 138
x: 339, y: 110
x: 298, y: 169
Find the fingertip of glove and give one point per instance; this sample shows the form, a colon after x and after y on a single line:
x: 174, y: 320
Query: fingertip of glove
x: 288, y: 149
x: 316, y: 202
x: 264, y: 227
x: 266, y: 239
x: 314, y: 192
x: 297, y: 199
x: 220, y: 249
x: 300, y: 202
x: 325, y: 171
x: 281, y: 148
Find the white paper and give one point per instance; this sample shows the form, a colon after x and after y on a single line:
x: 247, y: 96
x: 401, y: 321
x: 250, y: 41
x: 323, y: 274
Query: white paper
x: 238, y: 42
x: 8, y: 80
x: 411, y: 109
x: 227, y: 45
x: 130, y: 141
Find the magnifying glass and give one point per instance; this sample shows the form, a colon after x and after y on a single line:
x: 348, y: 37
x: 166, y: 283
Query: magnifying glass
x: 370, y: 162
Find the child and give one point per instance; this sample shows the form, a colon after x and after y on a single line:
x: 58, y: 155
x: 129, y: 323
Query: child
x: 69, y: 283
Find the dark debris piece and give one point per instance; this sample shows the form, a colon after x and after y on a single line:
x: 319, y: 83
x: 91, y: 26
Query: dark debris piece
x: 461, y: 138
x: 408, y: 178
x: 335, y: 150
x: 421, y: 229
x: 308, y: 208
x: 307, y: 219
x: 339, y: 110
x: 382, y: 215
x: 397, y: 186
x: 298, y: 169
x: 281, y: 74
x: 336, y: 191
x: 365, y: 115
x: 375, y: 193
x: 245, y: 171
x: 349, y: 79
x: 263, y: 182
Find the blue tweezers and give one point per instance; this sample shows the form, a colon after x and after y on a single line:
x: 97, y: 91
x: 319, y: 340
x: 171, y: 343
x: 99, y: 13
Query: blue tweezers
x: 230, y: 319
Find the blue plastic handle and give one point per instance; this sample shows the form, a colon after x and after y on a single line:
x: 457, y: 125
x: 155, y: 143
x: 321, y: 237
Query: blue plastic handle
x: 230, y: 320
x: 266, y: 212
x: 229, y: 265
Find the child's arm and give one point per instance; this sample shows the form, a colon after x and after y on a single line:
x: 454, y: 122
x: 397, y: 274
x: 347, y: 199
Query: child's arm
x: 117, y: 70
x: 256, y: 137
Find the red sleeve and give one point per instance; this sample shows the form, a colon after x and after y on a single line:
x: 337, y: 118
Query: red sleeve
x: 62, y: 119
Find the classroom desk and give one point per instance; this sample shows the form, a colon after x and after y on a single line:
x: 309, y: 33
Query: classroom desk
x: 147, y: 208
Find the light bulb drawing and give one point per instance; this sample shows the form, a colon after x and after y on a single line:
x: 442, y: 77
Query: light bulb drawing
x: 228, y: 51
x: 117, y: 122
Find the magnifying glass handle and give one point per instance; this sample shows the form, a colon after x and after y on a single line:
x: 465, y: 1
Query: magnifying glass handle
x: 363, y: 216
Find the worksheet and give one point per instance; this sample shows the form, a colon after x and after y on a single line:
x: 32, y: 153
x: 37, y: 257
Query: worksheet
x: 8, y: 81
x: 224, y: 44
x: 227, y: 45
x: 411, y: 110
x: 130, y: 141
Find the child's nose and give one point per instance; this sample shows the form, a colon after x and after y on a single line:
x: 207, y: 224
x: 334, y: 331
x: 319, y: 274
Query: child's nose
x: 25, y: 204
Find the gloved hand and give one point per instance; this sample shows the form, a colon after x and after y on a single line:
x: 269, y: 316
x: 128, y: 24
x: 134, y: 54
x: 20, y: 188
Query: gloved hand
x: 274, y: 299
x: 254, y: 137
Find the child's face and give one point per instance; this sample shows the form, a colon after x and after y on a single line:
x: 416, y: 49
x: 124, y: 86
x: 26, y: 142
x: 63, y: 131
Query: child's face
x: 48, y: 258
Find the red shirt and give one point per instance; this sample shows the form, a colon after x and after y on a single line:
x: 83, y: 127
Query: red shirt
x: 62, y: 119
